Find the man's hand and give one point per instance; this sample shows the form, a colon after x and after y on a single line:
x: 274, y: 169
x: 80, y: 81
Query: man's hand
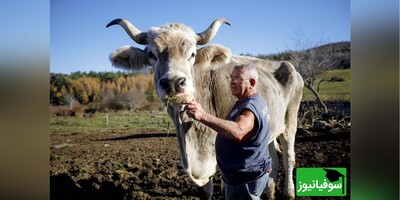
x: 194, y: 110
x: 239, y: 130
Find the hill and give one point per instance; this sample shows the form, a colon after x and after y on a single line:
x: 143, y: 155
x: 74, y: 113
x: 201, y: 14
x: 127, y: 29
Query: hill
x: 341, y: 54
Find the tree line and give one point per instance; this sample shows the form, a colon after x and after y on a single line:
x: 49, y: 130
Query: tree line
x: 103, y: 90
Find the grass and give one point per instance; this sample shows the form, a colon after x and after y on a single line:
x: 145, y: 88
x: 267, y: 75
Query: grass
x: 332, y: 91
x: 137, y: 121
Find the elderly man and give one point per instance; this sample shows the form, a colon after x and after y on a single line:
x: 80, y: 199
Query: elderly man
x: 242, y: 141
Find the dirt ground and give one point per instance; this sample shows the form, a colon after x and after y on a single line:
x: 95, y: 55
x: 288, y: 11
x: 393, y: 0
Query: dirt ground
x: 124, y: 164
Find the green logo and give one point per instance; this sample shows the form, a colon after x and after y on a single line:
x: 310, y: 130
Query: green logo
x: 321, y: 181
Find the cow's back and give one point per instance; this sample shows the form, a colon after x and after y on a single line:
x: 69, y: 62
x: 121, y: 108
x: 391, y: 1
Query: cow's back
x: 278, y: 83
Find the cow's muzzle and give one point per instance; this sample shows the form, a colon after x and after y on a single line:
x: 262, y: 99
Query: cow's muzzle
x: 174, y: 86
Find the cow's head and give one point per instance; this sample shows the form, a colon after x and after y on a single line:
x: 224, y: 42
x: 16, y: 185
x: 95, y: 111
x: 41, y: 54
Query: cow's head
x: 171, y: 50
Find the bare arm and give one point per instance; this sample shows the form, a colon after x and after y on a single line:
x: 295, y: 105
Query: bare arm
x: 239, y: 130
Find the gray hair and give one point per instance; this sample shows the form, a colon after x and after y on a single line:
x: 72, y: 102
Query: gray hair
x: 250, y: 71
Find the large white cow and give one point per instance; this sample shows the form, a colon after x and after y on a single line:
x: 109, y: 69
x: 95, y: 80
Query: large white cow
x: 181, y: 67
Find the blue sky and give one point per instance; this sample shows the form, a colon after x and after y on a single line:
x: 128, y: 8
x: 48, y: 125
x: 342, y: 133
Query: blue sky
x: 79, y: 40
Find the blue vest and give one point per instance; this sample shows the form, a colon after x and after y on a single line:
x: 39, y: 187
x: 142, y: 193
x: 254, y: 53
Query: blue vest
x: 242, y: 162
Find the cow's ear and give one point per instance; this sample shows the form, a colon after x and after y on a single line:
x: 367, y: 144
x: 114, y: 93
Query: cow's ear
x: 213, y: 56
x: 128, y: 57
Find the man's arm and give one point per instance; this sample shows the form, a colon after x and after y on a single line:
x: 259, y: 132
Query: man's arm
x: 238, y: 130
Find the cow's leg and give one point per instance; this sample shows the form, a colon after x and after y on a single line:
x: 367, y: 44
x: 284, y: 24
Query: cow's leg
x: 270, y: 189
x: 287, y: 143
x: 207, y: 190
x: 288, y: 159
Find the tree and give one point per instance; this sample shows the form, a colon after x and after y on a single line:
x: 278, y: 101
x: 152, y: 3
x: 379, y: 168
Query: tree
x: 312, y: 63
x: 150, y: 93
x: 59, y: 84
x: 69, y: 101
x: 59, y: 80
x: 132, y: 100
x: 85, y: 97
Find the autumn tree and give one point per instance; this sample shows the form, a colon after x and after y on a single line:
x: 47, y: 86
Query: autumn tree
x: 104, y: 90
x: 85, y: 89
x: 59, y: 84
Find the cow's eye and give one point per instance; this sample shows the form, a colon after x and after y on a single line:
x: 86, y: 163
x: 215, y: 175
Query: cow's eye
x: 152, y: 56
x: 192, y: 56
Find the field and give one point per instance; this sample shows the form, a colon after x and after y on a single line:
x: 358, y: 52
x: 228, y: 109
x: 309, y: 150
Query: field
x: 135, y: 156
x: 332, y: 90
x: 137, y: 121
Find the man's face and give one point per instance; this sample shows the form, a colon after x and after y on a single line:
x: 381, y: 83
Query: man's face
x: 239, y: 84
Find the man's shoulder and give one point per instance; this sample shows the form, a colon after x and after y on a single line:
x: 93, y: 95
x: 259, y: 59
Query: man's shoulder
x: 257, y: 100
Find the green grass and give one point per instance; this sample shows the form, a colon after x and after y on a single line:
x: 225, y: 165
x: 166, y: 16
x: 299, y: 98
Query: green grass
x: 332, y: 91
x: 137, y: 121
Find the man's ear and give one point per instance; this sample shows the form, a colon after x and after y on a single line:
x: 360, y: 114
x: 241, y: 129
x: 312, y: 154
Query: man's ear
x: 252, y: 82
x: 128, y: 57
x: 213, y: 56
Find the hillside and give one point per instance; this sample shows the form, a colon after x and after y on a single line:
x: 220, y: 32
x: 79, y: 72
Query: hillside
x: 341, y: 54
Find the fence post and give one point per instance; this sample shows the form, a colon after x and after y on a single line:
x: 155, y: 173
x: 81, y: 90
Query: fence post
x: 168, y: 129
x: 107, y: 119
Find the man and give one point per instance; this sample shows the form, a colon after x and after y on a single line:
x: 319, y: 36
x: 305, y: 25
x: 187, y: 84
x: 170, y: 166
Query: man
x: 242, y: 141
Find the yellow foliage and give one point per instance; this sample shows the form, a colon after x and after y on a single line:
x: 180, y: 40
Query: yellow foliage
x: 124, y: 90
x: 63, y: 90
x: 59, y: 95
x: 53, y: 88
x: 88, y: 85
x: 88, y: 88
x: 85, y: 97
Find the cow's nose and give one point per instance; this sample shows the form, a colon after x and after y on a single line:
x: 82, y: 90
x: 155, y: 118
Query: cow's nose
x: 164, y: 83
x: 179, y: 84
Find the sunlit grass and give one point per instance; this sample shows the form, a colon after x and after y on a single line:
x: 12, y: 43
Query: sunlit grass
x: 156, y: 121
x: 332, y: 91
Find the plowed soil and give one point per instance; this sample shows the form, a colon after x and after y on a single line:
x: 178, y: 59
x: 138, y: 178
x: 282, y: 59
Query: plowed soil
x: 124, y: 164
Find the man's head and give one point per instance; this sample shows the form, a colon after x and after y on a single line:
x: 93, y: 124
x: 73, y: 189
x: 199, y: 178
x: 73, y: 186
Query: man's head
x: 243, y: 81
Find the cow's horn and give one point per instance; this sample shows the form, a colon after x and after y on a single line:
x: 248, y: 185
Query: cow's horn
x: 211, y: 31
x: 136, y: 35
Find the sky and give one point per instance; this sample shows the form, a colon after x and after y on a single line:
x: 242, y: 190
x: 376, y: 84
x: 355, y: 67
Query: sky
x: 80, y: 41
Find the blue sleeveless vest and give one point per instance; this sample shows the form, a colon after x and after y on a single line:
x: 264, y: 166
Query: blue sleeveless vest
x: 242, y: 162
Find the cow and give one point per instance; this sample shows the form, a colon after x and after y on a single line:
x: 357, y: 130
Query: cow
x: 180, y: 67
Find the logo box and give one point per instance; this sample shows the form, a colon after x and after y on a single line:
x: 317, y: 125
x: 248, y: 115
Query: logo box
x: 321, y: 181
